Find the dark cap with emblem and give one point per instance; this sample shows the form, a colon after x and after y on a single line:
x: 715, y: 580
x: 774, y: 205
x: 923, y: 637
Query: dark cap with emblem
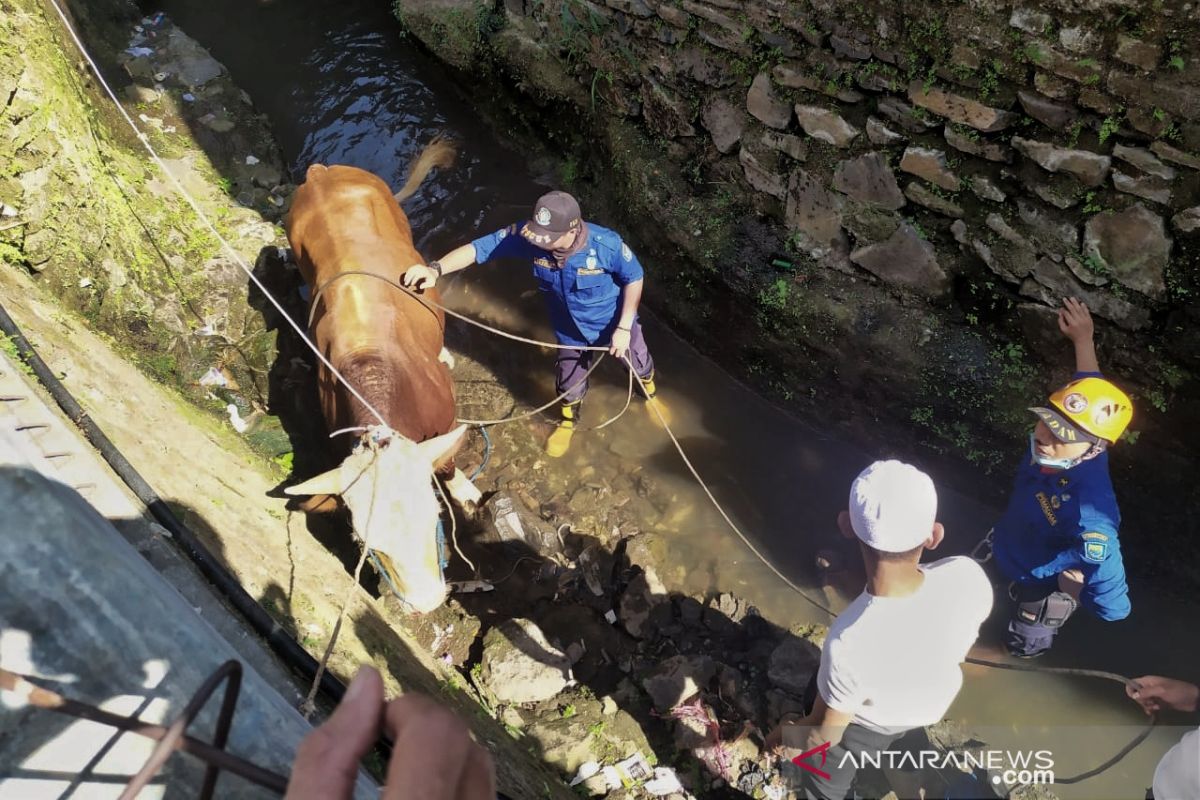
x: 1062, y: 428
x: 556, y: 213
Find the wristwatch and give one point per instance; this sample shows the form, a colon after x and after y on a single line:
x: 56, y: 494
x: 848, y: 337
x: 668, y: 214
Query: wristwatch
x: 436, y: 266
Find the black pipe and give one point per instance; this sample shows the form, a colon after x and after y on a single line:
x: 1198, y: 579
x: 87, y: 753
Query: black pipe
x: 287, y: 648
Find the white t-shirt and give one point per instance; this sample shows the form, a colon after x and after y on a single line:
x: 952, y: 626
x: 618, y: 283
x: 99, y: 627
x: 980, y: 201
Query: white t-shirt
x: 1177, y: 776
x: 894, y: 662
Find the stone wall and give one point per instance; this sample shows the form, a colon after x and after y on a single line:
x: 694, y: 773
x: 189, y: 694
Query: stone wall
x: 879, y: 204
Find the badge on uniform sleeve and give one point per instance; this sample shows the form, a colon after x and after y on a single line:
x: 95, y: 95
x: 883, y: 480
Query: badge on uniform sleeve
x: 626, y: 253
x: 1095, y: 547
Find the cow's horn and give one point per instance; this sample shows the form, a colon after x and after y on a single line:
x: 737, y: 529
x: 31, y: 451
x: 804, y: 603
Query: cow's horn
x: 326, y: 483
x: 442, y: 448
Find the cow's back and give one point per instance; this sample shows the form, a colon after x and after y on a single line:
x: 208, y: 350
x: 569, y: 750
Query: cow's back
x: 382, y: 339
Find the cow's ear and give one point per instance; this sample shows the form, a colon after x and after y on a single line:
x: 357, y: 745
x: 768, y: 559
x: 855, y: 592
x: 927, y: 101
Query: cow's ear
x: 439, y: 450
x: 326, y: 483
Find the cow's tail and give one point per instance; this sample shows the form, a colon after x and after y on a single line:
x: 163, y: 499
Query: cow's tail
x: 438, y: 153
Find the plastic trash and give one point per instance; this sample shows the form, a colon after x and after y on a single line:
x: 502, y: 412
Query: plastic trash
x: 663, y: 783
x: 139, y: 52
x: 85, y: 283
x: 611, y: 616
x: 251, y: 160
x: 7, y: 210
x: 586, y: 770
x: 634, y: 769
x: 508, y: 523
x: 188, y: 97
x: 213, y: 378
x: 467, y: 587
x: 240, y: 425
x: 161, y: 76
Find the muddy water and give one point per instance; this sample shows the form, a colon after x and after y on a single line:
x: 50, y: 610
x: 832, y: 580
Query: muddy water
x: 341, y: 86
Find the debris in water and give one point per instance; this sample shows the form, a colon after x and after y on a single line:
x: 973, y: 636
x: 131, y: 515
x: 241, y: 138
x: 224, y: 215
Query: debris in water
x: 139, y: 52
x: 586, y: 770
x: 663, y: 783
x: 251, y: 160
x: 465, y: 587
x: 240, y: 425
x: 213, y: 378
x: 188, y: 97
x: 611, y: 616
x: 508, y: 523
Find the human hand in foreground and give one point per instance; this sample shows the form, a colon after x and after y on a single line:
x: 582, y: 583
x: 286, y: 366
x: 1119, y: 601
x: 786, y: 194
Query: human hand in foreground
x: 1154, y: 693
x: 1074, y: 320
x: 433, y: 755
x: 419, y: 276
x: 619, y: 346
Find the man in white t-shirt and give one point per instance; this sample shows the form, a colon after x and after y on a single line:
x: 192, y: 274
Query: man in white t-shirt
x: 891, y: 661
x: 1177, y: 776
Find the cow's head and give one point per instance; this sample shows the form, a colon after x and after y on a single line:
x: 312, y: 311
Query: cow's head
x: 388, y: 486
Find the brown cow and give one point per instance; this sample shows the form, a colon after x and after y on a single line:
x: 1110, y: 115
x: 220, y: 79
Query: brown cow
x: 388, y: 345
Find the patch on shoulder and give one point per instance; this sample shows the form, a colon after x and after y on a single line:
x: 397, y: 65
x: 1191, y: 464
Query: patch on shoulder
x: 626, y: 253
x: 1095, y: 551
x: 1100, y: 537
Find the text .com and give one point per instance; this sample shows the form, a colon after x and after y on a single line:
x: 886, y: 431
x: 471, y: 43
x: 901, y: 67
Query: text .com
x: 1008, y: 767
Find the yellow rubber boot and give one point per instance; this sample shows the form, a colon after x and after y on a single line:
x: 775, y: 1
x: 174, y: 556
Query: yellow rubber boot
x: 560, y: 439
x: 652, y: 399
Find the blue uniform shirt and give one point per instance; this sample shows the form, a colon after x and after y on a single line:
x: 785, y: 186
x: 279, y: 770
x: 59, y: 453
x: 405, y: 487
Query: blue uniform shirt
x: 1065, y: 519
x: 583, y: 297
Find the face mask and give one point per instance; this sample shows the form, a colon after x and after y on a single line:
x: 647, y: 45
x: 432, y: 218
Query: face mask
x: 1047, y: 461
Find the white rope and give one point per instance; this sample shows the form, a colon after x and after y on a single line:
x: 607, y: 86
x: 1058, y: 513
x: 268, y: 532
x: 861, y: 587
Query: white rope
x: 483, y: 423
x: 454, y: 527
x: 653, y: 401
x: 182, y: 192
x: 354, y: 429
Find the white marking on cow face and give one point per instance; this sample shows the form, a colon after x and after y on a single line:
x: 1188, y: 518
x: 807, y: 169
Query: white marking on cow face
x: 388, y: 486
x: 395, y: 511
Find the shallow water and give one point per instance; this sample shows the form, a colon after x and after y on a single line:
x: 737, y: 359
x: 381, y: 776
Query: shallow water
x: 340, y: 85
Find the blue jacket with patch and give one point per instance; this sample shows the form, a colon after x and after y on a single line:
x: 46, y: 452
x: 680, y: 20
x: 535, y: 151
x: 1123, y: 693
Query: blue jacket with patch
x: 1065, y: 519
x: 583, y: 297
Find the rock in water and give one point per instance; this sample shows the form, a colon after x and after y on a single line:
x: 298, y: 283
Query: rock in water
x: 520, y: 666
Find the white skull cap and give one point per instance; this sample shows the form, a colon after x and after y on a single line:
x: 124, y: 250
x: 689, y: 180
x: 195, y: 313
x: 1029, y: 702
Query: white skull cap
x: 893, y: 506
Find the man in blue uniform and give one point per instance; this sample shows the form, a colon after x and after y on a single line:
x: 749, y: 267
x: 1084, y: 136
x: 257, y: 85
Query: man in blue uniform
x: 1057, y: 540
x: 592, y: 284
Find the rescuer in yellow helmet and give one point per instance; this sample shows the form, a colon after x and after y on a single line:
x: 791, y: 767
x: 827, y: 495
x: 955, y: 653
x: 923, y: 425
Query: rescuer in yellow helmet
x: 1057, y: 540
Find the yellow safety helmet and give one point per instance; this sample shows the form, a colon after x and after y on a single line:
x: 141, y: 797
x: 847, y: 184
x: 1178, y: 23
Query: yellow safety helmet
x: 1095, y: 406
